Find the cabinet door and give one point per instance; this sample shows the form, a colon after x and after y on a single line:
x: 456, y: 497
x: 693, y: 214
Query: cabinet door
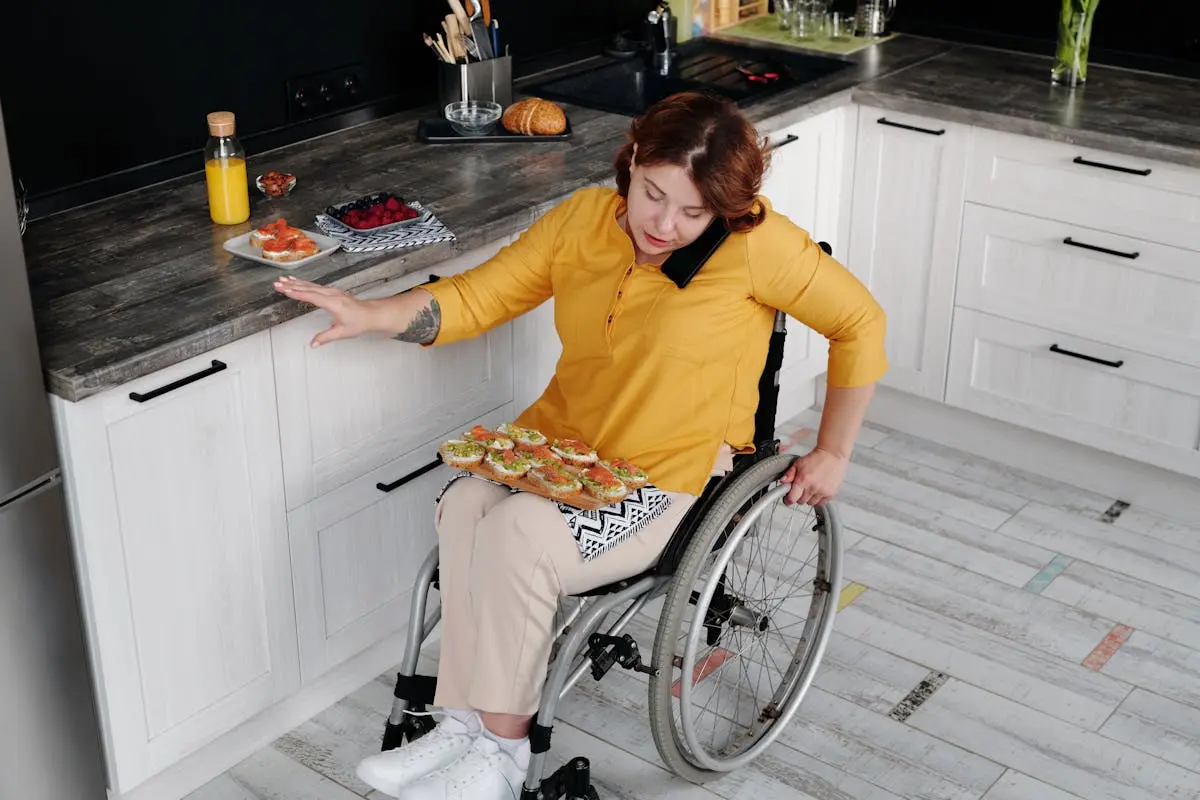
x: 356, y: 552
x: 177, y: 510
x: 1106, y: 397
x: 353, y: 406
x: 804, y: 183
x: 908, y: 197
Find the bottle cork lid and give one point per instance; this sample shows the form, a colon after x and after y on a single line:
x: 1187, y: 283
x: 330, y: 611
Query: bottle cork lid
x: 221, y: 123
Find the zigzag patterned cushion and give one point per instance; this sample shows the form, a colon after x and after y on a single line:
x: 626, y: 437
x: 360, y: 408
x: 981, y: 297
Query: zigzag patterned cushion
x: 598, y: 531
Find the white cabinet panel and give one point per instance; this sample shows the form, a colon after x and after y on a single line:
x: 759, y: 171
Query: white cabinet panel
x: 1138, y: 294
x: 177, y: 510
x: 1109, y: 398
x: 355, y: 405
x: 809, y: 167
x: 908, y: 195
x: 1125, y: 195
x: 356, y: 551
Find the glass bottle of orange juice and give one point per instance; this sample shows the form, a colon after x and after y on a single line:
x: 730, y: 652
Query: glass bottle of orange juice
x: 225, y: 171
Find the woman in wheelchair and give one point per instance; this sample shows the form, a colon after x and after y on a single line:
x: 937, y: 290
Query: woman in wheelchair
x: 660, y: 364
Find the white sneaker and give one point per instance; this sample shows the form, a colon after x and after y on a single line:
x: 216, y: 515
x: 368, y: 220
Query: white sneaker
x: 391, y: 771
x: 485, y: 772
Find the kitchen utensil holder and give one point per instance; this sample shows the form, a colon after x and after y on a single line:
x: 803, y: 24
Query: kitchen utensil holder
x: 490, y: 79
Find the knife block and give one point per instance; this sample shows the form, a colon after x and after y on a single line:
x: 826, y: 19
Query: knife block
x: 490, y: 80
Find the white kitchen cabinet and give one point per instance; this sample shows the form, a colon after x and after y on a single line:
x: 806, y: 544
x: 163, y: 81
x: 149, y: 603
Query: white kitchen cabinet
x: 356, y: 551
x: 1114, y: 399
x: 805, y: 183
x: 1124, y: 195
x: 355, y: 405
x: 904, y: 229
x: 176, y: 502
x: 1092, y: 283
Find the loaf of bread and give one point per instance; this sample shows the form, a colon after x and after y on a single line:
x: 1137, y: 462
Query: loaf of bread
x: 534, y: 117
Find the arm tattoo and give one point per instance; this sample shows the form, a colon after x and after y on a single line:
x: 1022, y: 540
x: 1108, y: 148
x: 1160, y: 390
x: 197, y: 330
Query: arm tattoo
x: 425, y: 325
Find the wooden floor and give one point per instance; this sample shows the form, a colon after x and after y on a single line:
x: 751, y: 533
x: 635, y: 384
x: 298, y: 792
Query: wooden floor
x: 1063, y: 639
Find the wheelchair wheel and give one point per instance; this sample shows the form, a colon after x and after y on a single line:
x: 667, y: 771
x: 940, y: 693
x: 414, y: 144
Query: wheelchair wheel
x: 744, y: 626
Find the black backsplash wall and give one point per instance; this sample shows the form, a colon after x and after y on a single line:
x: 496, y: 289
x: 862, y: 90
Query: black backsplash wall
x: 1162, y: 37
x: 93, y: 90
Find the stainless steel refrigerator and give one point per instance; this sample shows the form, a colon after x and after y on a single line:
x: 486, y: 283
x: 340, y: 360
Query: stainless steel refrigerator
x: 49, y: 742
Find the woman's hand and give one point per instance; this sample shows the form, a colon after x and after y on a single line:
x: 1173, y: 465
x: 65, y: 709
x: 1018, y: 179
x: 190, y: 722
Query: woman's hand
x: 815, y: 478
x: 350, y: 316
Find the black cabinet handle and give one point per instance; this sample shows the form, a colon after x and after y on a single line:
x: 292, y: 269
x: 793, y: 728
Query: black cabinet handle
x: 791, y: 137
x: 410, y: 477
x: 216, y: 367
x: 1114, y: 364
x: 886, y: 121
x: 1099, y: 249
x: 1113, y: 167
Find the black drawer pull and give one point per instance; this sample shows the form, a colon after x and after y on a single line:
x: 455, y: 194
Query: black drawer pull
x: 1099, y: 249
x: 1114, y: 364
x: 410, y: 477
x: 216, y: 367
x: 886, y: 121
x: 1113, y: 167
x: 791, y: 137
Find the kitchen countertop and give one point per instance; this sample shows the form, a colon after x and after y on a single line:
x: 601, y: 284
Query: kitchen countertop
x: 137, y: 283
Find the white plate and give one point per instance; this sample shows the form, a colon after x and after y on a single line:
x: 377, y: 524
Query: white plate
x: 240, y: 246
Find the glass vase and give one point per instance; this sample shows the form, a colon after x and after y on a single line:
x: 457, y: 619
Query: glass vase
x: 1074, y: 41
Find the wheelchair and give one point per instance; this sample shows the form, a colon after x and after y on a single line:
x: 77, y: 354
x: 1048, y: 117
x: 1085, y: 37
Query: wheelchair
x: 713, y: 613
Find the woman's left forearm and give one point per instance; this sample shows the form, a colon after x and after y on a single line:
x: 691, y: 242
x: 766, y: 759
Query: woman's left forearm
x: 842, y: 418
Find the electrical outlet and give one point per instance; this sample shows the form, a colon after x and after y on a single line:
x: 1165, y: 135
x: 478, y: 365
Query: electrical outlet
x: 326, y: 92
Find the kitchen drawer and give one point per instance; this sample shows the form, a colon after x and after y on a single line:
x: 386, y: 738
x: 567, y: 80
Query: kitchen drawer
x: 354, y: 405
x: 1125, y: 195
x: 1113, y: 289
x: 1146, y: 408
x: 356, y: 552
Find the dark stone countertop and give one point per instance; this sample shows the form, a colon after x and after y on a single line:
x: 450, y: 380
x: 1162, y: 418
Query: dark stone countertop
x: 134, y: 284
x: 1122, y: 111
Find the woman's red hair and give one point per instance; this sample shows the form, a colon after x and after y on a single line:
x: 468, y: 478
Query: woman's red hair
x: 707, y: 136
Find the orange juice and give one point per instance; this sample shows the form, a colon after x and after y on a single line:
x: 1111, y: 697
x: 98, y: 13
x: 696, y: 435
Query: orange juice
x: 228, y: 191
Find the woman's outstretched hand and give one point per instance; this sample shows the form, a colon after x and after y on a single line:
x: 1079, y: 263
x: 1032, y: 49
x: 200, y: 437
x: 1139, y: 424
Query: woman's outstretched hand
x: 350, y: 316
x: 815, y: 478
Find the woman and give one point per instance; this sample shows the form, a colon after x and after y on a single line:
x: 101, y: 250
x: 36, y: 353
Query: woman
x: 663, y: 376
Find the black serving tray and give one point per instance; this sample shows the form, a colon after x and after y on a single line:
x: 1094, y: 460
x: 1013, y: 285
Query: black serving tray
x: 438, y: 131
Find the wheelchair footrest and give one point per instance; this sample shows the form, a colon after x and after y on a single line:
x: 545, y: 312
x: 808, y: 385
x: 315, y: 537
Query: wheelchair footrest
x: 408, y: 730
x: 571, y: 781
x: 606, y: 651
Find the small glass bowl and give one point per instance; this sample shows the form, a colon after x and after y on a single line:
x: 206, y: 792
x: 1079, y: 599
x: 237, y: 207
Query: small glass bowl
x: 473, y: 117
x: 281, y: 185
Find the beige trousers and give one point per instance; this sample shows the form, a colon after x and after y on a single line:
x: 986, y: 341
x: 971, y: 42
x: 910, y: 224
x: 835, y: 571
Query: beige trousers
x: 504, y: 562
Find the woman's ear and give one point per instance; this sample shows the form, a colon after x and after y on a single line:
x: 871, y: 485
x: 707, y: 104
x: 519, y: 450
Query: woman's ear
x: 633, y: 157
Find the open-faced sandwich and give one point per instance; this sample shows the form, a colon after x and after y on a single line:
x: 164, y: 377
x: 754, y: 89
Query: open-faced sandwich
x: 279, y: 229
x: 461, y: 453
x: 522, y: 435
x: 600, y: 483
x: 489, y: 438
x: 507, y: 463
x: 539, y: 455
x: 629, y: 473
x: 293, y: 249
x: 574, y: 452
x: 555, y: 481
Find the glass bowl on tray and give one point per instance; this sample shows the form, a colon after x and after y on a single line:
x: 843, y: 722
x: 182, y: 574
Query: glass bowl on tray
x: 473, y: 117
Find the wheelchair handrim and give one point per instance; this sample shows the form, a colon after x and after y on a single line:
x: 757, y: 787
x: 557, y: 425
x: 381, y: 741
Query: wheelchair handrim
x: 802, y: 669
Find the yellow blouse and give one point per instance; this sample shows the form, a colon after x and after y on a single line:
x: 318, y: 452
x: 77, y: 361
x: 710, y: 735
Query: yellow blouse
x: 650, y: 372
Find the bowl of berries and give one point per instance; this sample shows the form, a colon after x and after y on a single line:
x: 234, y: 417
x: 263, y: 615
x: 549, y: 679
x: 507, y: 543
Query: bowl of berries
x: 374, y: 213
